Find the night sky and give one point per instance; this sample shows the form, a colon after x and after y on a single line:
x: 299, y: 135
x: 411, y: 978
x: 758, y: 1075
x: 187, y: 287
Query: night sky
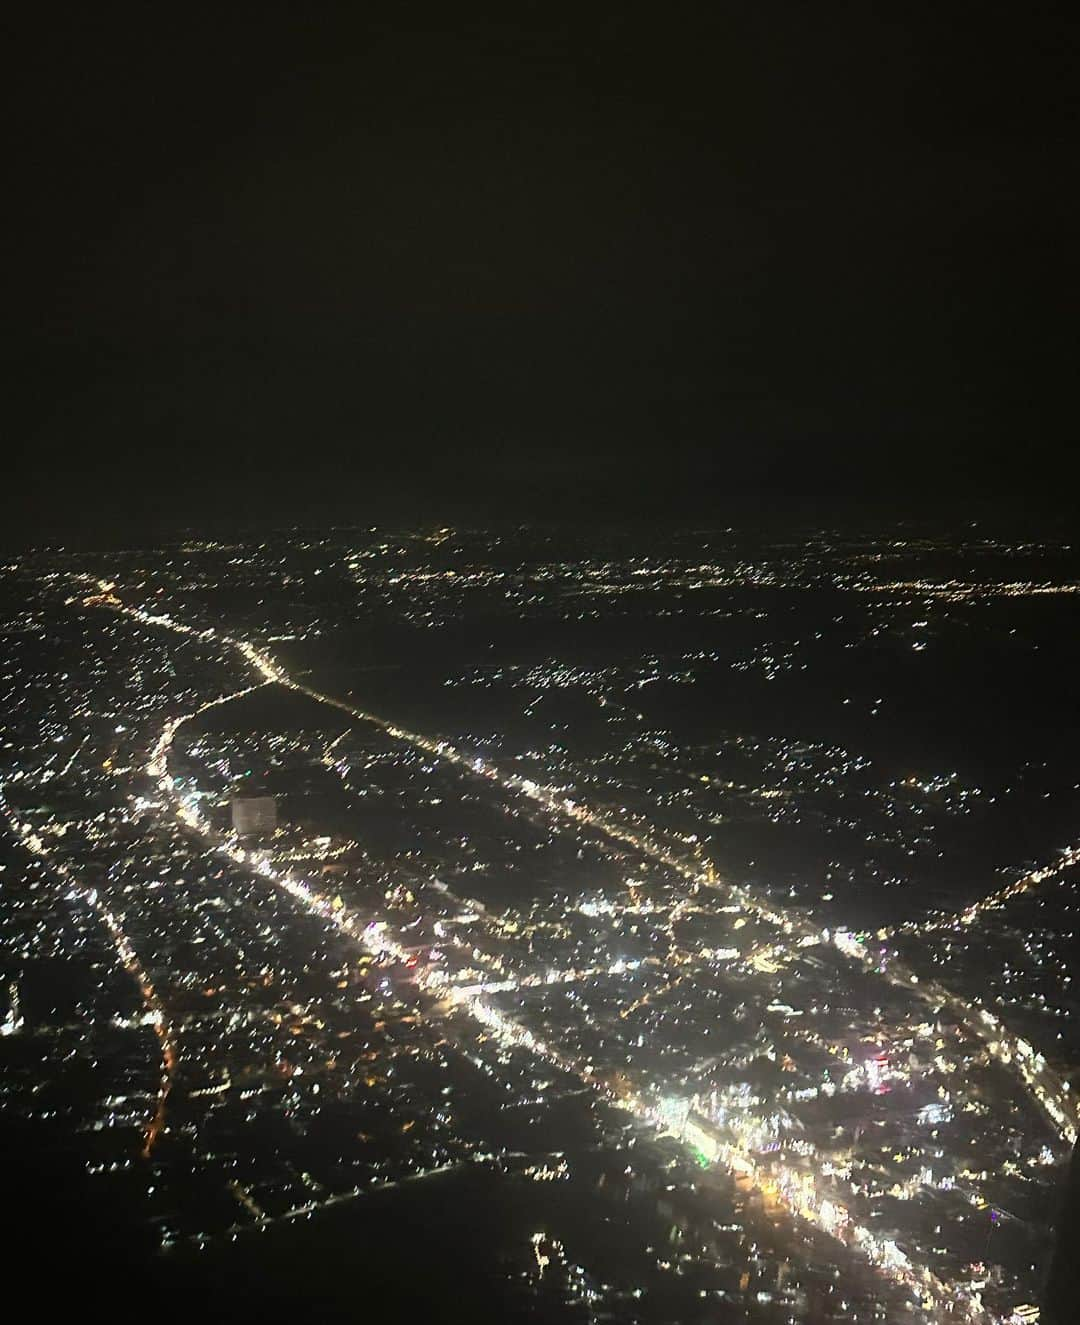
x: 303, y: 266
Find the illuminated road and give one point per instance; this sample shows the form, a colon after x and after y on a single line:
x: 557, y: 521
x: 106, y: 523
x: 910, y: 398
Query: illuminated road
x: 128, y: 958
x: 795, y: 1189
x: 996, y: 900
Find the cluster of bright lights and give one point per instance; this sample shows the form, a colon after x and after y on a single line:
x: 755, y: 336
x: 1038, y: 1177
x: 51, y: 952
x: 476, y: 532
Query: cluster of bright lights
x: 155, y: 1014
x: 746, y: 1139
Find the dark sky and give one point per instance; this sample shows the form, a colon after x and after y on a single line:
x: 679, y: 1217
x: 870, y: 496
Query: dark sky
x: 291, y: 263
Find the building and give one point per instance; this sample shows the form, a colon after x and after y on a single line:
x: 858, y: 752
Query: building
x: 254, y: 815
